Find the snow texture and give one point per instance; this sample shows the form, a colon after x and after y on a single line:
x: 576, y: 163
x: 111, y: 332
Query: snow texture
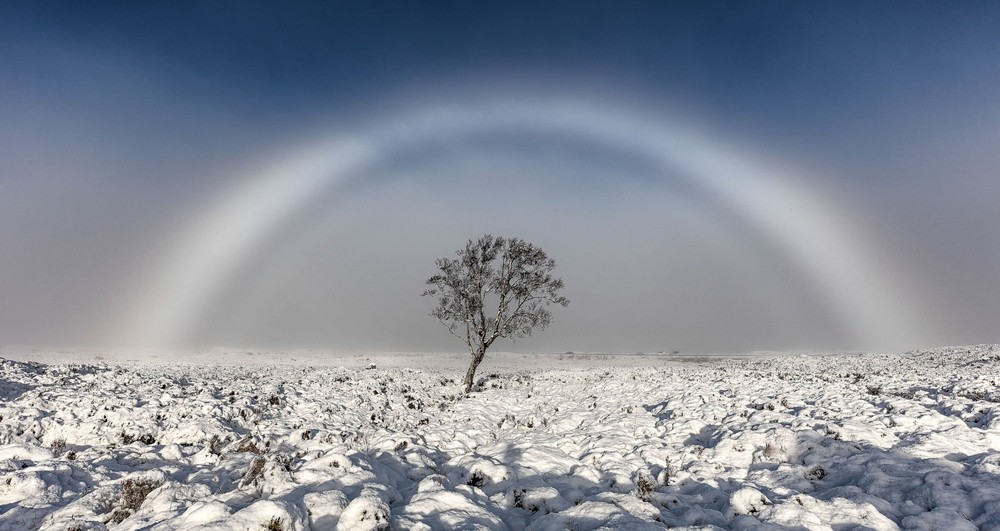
x: 582, y: 442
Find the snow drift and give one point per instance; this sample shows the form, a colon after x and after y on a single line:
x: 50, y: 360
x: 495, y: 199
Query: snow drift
x: 859, y: 441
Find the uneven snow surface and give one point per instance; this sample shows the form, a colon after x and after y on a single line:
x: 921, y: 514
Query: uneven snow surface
x: 836, y: 442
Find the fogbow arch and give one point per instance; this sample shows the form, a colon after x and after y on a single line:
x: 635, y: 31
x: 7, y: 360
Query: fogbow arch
x: 175, y: 295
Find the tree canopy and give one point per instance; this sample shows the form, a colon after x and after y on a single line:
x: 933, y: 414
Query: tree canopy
x: 495, y: 288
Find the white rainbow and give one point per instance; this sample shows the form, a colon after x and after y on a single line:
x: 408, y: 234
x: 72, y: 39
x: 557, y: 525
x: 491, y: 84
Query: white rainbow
x: 820, y: 245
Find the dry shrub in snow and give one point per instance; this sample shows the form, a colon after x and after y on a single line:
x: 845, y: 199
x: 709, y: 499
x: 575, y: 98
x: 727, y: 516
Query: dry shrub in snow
x: 476, y: 479
x: 215, y: 445
x: 816, y: 473
x: 644, y: 485
x: 58, y: 446
x: 134, y: 493
x: 274, y: 524
x: 249, y: 446
x: 255, y: 472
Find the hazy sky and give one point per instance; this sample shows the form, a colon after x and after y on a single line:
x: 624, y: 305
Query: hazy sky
x: 709, y: 176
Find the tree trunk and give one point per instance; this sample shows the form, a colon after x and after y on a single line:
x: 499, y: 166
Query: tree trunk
x: 470, y: 376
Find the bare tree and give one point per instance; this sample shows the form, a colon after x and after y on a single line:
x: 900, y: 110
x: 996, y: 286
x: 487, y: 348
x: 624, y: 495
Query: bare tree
x: 508, y: 274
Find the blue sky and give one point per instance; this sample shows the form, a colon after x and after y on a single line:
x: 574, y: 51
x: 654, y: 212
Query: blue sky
x: 122, y: 125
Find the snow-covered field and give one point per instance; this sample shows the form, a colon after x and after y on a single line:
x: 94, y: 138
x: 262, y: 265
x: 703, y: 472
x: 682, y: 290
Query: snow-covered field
x: 236, y: 440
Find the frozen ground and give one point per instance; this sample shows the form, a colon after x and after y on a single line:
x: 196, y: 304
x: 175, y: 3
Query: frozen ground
x: 310, y: 440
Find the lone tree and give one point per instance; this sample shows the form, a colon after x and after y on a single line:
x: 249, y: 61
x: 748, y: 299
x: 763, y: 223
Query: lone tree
x: 508, y: 274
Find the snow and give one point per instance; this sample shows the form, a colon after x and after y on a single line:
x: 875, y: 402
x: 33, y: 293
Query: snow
x: 229, y: 439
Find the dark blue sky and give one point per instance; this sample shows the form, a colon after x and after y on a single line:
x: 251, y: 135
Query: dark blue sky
x: 119, y: 118
x: 800, y: 66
